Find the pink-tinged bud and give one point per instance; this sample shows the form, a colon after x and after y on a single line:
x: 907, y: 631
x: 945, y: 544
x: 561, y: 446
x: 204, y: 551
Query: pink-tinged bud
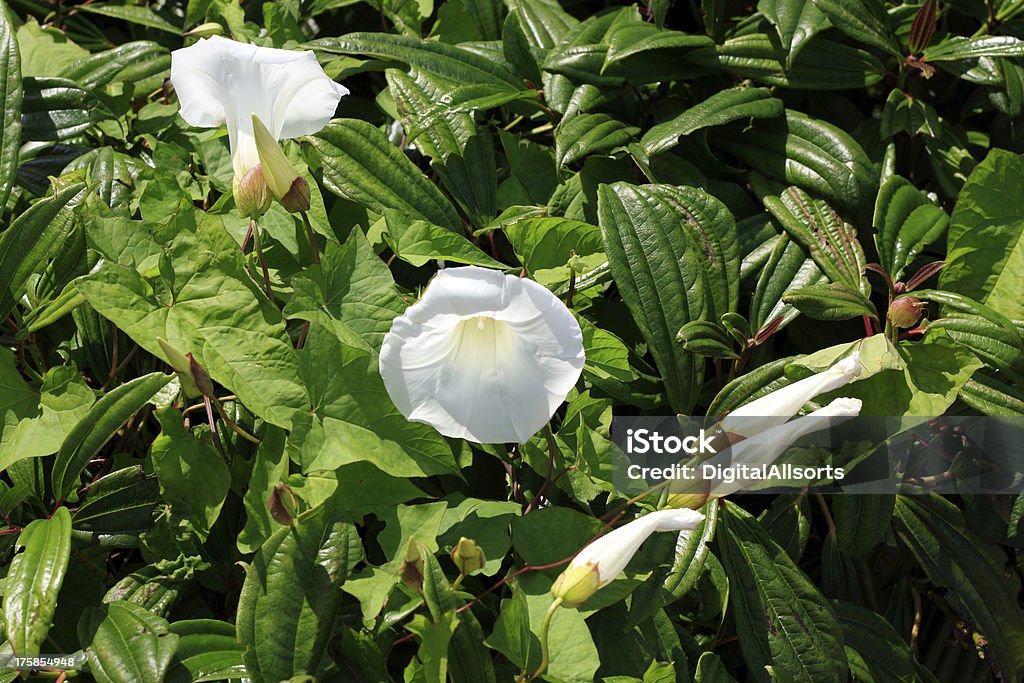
x: 179, y: 361
x: 296, y: 199
x: 200, y: 376
x: 905, y: 311
x: 287, y: 186
x: 252, y: 194
x: 283, y: 504
x: 411, y: 571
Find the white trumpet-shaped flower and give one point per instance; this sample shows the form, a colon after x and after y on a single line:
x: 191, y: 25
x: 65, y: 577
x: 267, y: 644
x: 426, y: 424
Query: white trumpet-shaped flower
x: 599, y: 563
x: 482, y: 356
x: 223, y: 82
x: 778, y: 406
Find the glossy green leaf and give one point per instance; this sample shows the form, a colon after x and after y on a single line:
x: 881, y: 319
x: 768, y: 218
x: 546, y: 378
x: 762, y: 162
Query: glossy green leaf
x: 207, y: 651
x: 829, y: 301
x: 291, y: 594
x: 587, y: 134
x: 797, y: 21
x: 419, y: 242
x: 954, y: 557
x: 10, y: 98
x: 33, y: 580
x: 122, y: 62
x: 787, y: 269
x: 962, y: 47
x: 117, y: 506
x: 721, y: 108
x: 803, y: 635
x: 546, y: 245
x: 865, y: 21
x: 134, y: 14
x: 127, y: 643
x: 361, y: 163
x: 985, y: 258
x: 99, y: 426
x: 861, y: 520
x: 992, y: 397
x: 874, y: 649
x: 905, y: 222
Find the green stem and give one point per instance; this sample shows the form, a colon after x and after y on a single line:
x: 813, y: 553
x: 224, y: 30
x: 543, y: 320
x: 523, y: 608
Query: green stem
x: 257, y: 241
x: 312, y: 238
x: 544, y: 627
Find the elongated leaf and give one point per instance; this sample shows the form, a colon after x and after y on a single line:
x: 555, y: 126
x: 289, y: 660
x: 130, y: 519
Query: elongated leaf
x: 803, y: 636
x: 981, y: 591
x: 441, y: 59
x: 992, y: 397
x: 861, y: 520
x: 10, y: 99
x: 33, y: 239
x: 660, y: 278
x: 814, y: 155
x: 985, y: 257
x: 33, y: 580
x: 1001, y: 346
x: 544, y: 21
x: 875, y: 650
x: 830, y: 301
x: 863, y: 20
x: 134, y: 14
x: 721, y: 108
x: 207, y: 651
x: 831, y: 242
x: 586, y: 134
x: 361, y: 164
x: 101, y: 68
x: 905, y: 222
x: 961, y: 47
x: 126, y: 642
x: 99, y: 426
x: 291, y: 594
x: 788, y: 268
x: 419, y: 242
x: 797, y: 21
x: 155, y: 588
x: 118, y: 504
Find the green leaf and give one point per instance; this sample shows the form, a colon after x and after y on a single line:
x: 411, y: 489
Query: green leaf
x: 353, y: 419
x: 863, y: 20
x: 544, y: 21
x: 127, y: 61
x: 962, y: 47
x: 445, y: 61
x: 874, y: 649
x: 201, y: 300
x: 586, y: 134
x: 100, y: 424
x: 803, y: 635
x: 861, y: 521
x: 830, y: 301
x: 461, y: 155
x: 117, y: 507
x: 830, y: 241
x: 34, y: 238
x: 658, y: 271
x: 814, y: 155
x: 981, y: 591
x: 134, y: 14
x: 269, y: 468
x: 10, y: 98
x: 797, y: 21
x: 45, y: 51
x: 546, y: 245
x: 361, y: 163
x: 54, y: 109
x: 180, y: 460
x: 418, y: 242
x: 787, y: 269
x: 33, y: 580
x: 904, y: 113
x: 985, y: 256
x: 999, y: 345
x: 207, y: 651
x: 154, y: 587
x: 291, y: 594
x: 706, y: 338
x: 353, y: 286
x: 126, y: 642
x: 434, y: 638
x: 905, y: 222
x: 721, y: 108
x: 992, y: 397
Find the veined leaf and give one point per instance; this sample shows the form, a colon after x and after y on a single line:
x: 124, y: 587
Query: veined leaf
x: 33, y: 580
x: 134, y: 14
x: 101, y: 68
x: 905, y: 222
x: 862, y: 20
x: 546, y: 245
x: 584, y: 134
x: 99, y: 426
x: 207, y: 651
x: 419, y: 242
x: 117, y: 507
x: 10, y: 98
x: 126, y: 642
x: 291, y: 594
x: 981, y: 591
x: 787, y: 269
x: 721, y: 108
x: 830, y: 301
x: 992, y: 397
x: 361, y: 163
x: 874, y: 649
x: 962, y: 47
x: 797, y: 21
x: 803, y: 636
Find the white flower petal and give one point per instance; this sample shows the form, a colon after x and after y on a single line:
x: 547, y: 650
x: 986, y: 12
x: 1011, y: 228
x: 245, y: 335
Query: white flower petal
x: 221, y: 81
x: 778, y: 406
x: 612, y: 552
x: 482, y: 356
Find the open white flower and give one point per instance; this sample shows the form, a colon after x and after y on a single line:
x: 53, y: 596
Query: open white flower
x: 482, y: 356
x: 599, y: 563
x: 224, y: 82
x: 778, y: 406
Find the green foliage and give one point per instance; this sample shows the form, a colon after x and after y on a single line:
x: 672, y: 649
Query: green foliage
x: 728, y: 196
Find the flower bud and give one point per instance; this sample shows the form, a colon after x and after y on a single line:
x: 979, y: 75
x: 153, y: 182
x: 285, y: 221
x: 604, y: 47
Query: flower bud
x: 576, y: 584
x: 210, y: 28
x: 283, y: 504
x: 411, y: 571
x: 179, y: 361
x: 468, y: 556
x: 288, y: 186
x: 200, y: 376
x: 905, y: 311
x: 252, y: 195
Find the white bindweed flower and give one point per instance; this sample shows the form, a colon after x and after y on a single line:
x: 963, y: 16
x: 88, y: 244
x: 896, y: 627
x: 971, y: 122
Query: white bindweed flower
x: 482, y: 356
x: 599, y: 563
x: 778, y: 406
x: 224, y: 82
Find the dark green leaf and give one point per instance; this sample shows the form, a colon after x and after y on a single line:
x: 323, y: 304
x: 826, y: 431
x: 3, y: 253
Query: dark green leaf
x: 905, y: 222
x: 207, y: 651
x: 10, y: 98
x: 126, y: 643
x: 830, y: 301
x: 862, y: 20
